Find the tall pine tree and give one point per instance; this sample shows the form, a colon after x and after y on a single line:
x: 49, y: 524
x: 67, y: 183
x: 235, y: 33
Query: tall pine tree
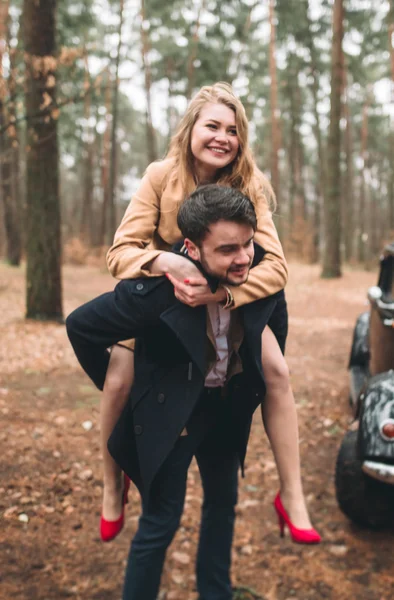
x: 43, y: 246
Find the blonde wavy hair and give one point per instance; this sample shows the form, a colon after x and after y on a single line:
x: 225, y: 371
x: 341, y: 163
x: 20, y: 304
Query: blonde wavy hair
x: 242, y: 173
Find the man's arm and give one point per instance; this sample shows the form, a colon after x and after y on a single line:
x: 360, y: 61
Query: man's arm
x: 115, y: 316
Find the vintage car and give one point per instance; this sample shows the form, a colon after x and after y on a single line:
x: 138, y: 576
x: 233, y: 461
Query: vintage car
x: 364, y: 478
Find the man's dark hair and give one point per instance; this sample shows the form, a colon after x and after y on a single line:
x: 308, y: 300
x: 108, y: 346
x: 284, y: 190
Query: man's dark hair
x: 210, y: 204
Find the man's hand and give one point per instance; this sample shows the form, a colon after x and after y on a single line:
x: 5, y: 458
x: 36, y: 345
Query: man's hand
x: 195, y: 291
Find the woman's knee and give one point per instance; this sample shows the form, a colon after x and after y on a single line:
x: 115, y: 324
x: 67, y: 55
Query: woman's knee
x: 277, y: 373
x: 120, y: 374
x: 276, y: 370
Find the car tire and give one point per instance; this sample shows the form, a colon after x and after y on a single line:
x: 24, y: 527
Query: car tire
x: 364, y: 500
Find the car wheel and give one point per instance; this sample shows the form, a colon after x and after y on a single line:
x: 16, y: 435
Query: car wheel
x: 364, y: 500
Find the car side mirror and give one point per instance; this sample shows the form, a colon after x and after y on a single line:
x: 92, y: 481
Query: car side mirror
x: 374, y: 293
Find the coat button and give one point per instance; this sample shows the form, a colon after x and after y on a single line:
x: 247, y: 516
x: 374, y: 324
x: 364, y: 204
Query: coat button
x: 138, y: 429
x: 161, y: 398
x: 139, y: 286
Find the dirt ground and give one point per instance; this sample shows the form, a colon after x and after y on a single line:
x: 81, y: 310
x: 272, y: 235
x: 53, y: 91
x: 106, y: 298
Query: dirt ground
x: 50, y: 485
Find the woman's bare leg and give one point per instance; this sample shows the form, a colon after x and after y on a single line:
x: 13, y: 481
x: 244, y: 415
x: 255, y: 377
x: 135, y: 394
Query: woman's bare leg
x: 280, y: 421
x: 116, y: 390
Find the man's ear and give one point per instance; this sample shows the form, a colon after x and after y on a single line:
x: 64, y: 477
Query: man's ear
x: 192, y: 249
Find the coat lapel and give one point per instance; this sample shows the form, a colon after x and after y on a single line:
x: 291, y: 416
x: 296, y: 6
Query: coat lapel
x: 190, y: 327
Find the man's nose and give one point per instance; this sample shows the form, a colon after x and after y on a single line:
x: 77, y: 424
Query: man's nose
x: 243, y: 257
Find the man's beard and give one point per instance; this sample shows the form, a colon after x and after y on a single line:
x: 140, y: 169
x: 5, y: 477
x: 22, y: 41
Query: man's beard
x: 237, y: 283
x: 227, y: 278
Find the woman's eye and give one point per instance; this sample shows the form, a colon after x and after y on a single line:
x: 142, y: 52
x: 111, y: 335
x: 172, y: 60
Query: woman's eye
x: 233, y: 132
x: 211, y: 125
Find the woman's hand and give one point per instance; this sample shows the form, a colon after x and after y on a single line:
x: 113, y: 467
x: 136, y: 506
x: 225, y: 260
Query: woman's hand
x: 190, y: 286
x: 195, y: 291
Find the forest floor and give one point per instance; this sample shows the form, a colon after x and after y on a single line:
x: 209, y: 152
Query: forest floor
x: 50, y: 485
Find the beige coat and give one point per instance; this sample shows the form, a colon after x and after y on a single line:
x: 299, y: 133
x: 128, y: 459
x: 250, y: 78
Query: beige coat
x: 149, y: 226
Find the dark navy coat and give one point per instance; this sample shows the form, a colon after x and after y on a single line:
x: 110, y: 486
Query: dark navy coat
x: 170, y: 367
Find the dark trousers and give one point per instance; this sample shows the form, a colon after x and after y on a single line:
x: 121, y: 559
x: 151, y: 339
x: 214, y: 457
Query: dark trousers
x: 161, y: 514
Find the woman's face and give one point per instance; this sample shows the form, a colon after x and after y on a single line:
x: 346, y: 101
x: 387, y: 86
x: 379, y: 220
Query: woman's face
x: 214, y: 141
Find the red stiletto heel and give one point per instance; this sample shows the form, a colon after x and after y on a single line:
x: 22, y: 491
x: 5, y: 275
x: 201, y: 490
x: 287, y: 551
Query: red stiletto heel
x: 281, y: 525
x: 110, y: 529
x: 300, y: 536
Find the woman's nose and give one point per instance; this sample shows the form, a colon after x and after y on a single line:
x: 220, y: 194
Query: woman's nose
x: 221, y: 136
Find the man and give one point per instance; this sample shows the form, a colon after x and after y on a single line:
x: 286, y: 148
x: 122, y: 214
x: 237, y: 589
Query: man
x: 198, y: 380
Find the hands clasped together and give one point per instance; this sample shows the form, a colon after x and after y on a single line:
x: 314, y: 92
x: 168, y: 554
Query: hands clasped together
x: 190, y: 286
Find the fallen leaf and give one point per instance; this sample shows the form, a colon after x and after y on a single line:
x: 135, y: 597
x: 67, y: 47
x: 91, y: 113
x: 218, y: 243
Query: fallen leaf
x: 181, y: 557
x: 338, y: 550
x: 23, y: 518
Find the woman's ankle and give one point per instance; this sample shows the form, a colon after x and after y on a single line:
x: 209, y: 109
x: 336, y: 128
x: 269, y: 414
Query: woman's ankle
x: 292, y: 493
x: 113, y: 483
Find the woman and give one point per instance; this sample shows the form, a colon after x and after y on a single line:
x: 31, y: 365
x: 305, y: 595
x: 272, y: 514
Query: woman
x: 211, y: 145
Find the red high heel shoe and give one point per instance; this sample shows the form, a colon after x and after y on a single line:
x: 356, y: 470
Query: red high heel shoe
x: 300, y: 536
x: 110, y: 529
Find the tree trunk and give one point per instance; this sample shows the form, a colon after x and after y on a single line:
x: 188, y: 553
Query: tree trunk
x: 375, y: 230
x: 85, y: 228
x: 299, y: 241
x: 332, y: 204
x: 348, y: 204
x: 321, y: 179
x: 390, y: 182
x: 105, y: 161
x: 297, y: 193
x: 112, y: 223
x: 12, y: 217
x: 11, y: 224
x: 150, y: 132
x: 43, y: 243
x: 391, y: 122
x: 361, y: 238
x: 87, y: 191
x: 391, y: 37
x: 275, y: 133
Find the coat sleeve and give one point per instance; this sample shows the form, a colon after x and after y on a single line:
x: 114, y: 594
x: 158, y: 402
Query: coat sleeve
x: 129, y: 256
x: 112, y: 317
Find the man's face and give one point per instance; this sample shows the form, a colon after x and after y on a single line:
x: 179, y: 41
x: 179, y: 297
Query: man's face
x: 226, y: 252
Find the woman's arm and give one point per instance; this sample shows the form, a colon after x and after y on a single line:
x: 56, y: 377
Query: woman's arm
x: 128, y: 257
x: 270, y: 275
